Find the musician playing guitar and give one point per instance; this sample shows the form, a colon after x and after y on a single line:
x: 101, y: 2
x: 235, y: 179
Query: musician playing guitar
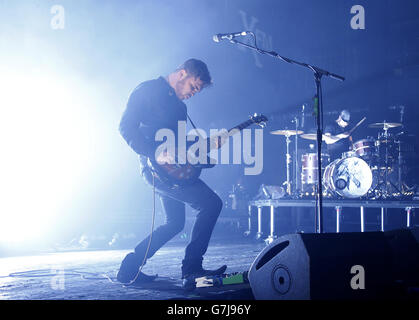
x: 153, y: 105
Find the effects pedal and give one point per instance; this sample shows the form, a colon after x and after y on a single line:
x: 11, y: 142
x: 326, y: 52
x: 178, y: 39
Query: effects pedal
x: 224, y: 282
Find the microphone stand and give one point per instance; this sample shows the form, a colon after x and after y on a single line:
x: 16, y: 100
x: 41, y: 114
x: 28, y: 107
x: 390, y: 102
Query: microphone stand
x: 318, y: 110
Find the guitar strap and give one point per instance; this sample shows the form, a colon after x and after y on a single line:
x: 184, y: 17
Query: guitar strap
x: 193, y: 125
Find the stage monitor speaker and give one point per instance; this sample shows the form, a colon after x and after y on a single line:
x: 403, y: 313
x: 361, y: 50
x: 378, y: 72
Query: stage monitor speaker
x: 367, y: 265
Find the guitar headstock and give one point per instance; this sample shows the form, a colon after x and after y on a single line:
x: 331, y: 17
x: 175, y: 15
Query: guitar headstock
x: 259, y: 119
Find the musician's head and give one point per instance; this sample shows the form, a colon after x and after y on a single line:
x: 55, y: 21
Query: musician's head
x: 190, y: 78
x: 343, y: 119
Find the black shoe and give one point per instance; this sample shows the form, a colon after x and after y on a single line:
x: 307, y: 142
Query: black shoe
x: 201, y: 272
x: 129, y: 269
x: 143, y: 278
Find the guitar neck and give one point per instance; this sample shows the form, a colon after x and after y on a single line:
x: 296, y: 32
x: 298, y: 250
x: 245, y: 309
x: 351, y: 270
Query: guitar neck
x: 240, y: 127
x: 235, y: 130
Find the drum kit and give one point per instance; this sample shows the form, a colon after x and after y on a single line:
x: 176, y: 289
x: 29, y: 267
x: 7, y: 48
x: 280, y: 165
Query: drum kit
x: 371, y: 169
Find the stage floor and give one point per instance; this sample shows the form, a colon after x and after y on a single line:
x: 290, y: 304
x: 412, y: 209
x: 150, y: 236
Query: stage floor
x: 83, y: 275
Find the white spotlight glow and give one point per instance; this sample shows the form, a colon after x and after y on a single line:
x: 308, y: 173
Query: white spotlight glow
x: 45, y: 150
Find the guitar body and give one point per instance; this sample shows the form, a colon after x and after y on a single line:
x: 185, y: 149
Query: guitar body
x: 183, y: 174
x: 180, y: 174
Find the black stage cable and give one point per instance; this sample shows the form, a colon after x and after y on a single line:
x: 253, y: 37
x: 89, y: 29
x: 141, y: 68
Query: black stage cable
x: 151, y: 235
x: 39, y: 273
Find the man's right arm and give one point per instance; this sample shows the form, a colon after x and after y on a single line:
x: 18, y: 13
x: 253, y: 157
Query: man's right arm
x: 137, y: 111
x: 331, y: 139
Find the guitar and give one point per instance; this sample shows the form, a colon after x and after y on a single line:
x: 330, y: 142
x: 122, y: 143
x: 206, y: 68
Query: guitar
x: 185, y: 173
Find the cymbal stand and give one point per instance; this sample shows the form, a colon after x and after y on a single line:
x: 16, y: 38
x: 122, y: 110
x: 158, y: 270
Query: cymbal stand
x: 386, y: 192
x: 386, y: 160
x: 400, y: 158
x: 288, y: 162
x: 399, y: 169
x: 388, y: 182
x: 296, y: 165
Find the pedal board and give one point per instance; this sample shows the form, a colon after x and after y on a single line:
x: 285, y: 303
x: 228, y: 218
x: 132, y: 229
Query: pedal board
x: 224, y: 282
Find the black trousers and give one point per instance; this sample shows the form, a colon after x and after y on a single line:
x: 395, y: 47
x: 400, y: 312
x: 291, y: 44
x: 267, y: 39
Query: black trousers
x: 201, y: 198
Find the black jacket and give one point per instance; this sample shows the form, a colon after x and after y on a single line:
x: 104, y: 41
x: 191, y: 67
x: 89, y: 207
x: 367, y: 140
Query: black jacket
x: 152, y: 105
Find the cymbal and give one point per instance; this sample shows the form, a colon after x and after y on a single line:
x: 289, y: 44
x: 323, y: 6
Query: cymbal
x: 385, y: 125
x: 286, y: 132
x: 310, y: 136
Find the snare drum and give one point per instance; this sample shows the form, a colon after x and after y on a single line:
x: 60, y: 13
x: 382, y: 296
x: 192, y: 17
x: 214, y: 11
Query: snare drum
x: 309, y: 172
x: 364, y: 148
x: 349, y: 177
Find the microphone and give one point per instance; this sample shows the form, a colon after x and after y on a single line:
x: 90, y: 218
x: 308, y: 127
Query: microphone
x: 228, y: 36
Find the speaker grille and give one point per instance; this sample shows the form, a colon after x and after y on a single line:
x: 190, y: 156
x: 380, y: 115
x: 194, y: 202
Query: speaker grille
x: 281, y: 279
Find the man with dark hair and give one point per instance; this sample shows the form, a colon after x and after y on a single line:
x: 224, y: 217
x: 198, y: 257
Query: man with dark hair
x: 197, y: 69
x: 154, y: 105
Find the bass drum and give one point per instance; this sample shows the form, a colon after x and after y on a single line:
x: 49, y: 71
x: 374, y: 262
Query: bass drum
x: 349, y: 177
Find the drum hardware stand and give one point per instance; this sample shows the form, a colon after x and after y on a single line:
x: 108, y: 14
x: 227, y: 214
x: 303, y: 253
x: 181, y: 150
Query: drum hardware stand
x: 386, y: 182
x: 400, y: 163
x: 288, y: 162
x: 386, y: 159
x: 402, y: 187
x: 318, y: 111
x: 298, y: 124
x: 296, y: 164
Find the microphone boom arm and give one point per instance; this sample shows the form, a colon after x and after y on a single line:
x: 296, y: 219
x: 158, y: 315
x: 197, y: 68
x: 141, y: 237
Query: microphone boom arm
x: 274, y: 54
